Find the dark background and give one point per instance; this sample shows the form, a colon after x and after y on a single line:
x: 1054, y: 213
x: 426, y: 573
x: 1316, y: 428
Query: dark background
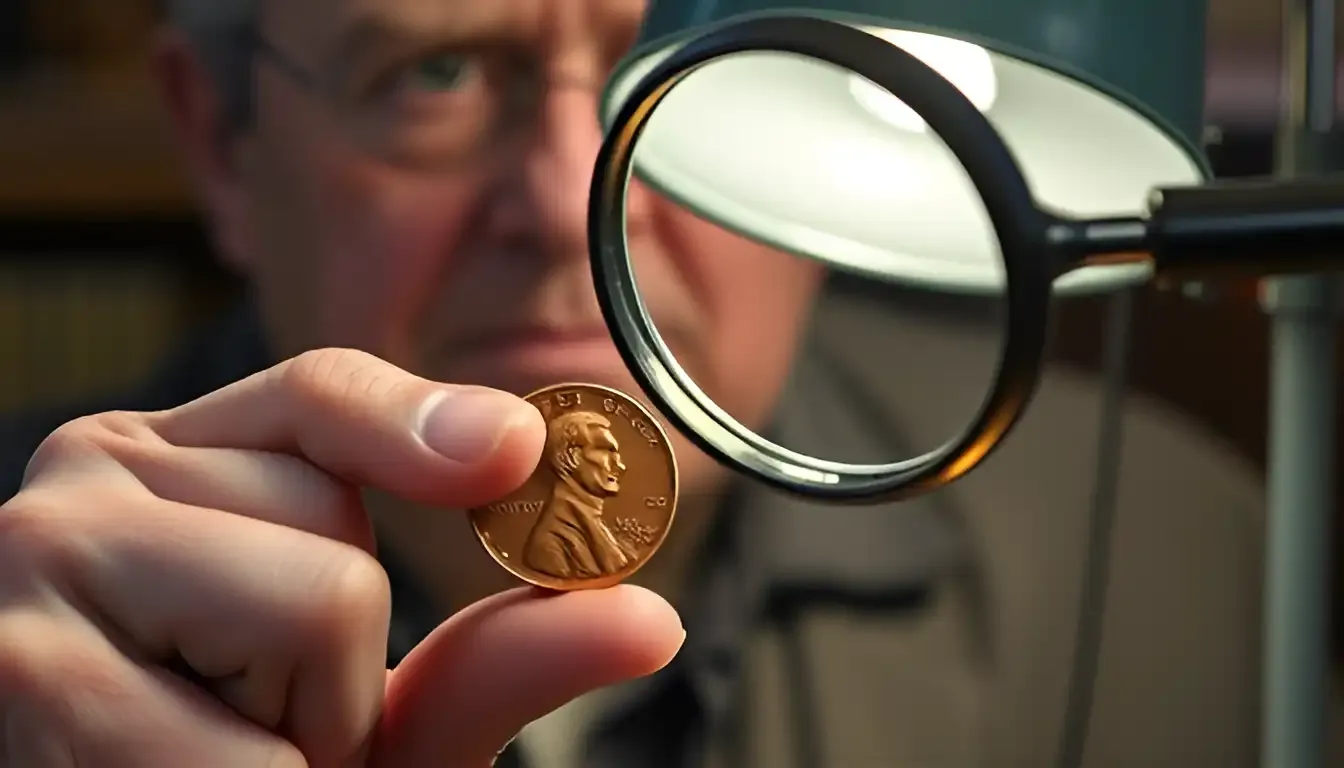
x: 103, y: 264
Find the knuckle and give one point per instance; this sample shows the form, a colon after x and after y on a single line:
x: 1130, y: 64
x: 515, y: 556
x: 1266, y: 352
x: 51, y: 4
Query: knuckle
x: 93, y: 436
x: 31, y: 536
x: 337, y: 377
x: 122, y: 425
x: 324, y: 373
x: 41, y: 658
x: 72, y: 439
x: 352, y: 593
x: 50, y: 677
x: 18, y: 674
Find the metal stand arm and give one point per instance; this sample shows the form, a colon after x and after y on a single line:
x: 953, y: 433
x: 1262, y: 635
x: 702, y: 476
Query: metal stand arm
x: 1301, y: 445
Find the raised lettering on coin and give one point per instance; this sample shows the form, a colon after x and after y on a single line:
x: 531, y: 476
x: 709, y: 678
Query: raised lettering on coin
x: 601, y: 500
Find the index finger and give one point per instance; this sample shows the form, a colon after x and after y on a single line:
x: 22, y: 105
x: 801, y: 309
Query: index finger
x: 371, y: 423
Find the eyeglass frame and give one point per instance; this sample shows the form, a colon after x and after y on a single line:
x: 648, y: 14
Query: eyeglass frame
x: 258, y: 45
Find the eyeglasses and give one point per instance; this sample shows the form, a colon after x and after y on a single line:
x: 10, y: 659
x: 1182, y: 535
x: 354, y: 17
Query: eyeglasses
x: 439, y: 111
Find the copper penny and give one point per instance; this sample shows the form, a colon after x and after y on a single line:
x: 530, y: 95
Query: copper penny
x: 599, y: 503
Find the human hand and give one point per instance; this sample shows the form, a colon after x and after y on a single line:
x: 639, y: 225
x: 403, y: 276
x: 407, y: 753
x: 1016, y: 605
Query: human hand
x: 227, y: 538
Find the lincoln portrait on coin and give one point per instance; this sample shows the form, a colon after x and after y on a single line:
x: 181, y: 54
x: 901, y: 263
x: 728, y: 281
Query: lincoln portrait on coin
x: 570, y: 539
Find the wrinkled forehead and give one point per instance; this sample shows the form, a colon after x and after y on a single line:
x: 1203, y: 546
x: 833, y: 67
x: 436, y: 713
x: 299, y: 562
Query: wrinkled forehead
x: 339, y: 31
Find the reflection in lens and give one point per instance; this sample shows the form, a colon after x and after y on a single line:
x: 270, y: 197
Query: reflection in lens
x: 965, y: 65
x: 872, y: 372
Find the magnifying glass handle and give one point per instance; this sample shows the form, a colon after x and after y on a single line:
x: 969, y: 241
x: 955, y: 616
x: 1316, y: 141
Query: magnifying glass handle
x: 1259, y: 227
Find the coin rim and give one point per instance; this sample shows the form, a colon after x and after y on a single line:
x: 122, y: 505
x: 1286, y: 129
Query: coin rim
x: 601, y: 582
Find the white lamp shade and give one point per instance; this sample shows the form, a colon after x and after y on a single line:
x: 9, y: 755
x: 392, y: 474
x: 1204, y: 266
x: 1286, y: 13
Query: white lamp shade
x: 808, y: 158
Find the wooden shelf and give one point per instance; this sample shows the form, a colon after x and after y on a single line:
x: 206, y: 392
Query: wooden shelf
x: 77, y: 145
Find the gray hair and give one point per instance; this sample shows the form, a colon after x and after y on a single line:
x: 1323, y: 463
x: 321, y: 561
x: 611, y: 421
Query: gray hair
x: 221, y: 31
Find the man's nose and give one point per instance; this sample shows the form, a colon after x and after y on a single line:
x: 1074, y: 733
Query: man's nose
x: 559, y: 169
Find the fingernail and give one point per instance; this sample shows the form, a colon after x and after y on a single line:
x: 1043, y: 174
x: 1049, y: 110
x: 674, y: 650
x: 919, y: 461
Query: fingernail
x: 466, y: 425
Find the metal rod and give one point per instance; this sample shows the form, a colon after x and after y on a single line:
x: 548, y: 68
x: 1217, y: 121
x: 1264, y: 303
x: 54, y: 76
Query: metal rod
x: 1301, y: 450
x: 1285, y: 225
x: 1261, y: 227
x: 1301, y: 443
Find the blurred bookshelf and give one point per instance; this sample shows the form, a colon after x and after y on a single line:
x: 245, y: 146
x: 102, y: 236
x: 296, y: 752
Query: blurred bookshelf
x: 103, y: 262
x: 72, y: 331
x: 82, y: 133
x: 87, y: 145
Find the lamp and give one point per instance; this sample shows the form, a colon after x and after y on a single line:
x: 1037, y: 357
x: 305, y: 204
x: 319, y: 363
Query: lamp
x: 1097, y: 103
x: 1067, y: 164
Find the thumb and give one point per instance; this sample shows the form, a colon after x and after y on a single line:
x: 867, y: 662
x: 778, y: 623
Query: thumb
x: 473, y: 684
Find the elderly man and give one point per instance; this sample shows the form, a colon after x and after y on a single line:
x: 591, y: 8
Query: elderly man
x: 188, y: 575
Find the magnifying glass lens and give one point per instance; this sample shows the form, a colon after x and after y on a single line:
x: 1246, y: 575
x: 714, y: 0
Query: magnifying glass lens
x: 756, y: 141
x: 778, y: 224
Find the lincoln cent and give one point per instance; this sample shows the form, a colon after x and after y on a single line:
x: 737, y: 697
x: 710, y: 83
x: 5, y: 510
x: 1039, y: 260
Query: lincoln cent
x: 600, y: 501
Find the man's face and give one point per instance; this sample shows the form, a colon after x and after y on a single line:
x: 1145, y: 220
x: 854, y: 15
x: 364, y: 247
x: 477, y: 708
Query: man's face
x: 427, y: 203
x: 600, y: 471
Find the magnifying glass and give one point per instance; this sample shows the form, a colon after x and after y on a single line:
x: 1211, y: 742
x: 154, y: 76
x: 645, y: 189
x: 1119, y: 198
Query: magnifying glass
x: 1031, y: 259
x: 1102, y: 151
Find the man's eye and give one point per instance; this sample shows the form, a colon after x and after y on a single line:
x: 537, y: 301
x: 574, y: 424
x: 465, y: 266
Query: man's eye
x: 444, y: 72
